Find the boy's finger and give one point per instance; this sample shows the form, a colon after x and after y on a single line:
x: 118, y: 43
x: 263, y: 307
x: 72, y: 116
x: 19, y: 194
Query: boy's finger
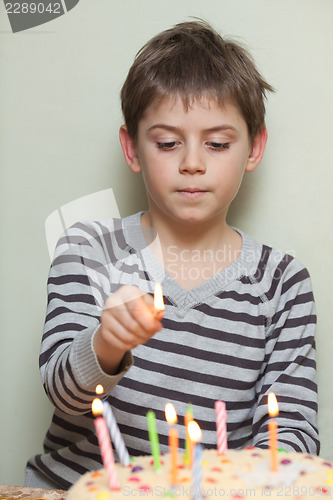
x: 123, y: 296
x: 143, y: 313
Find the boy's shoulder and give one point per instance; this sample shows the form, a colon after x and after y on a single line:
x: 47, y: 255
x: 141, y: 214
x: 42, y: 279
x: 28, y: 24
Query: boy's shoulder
x: 89, y: 236
x: 266, y: 262
x: 84, y: 230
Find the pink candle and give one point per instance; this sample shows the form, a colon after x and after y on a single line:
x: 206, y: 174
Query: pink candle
x: 116, y: 437
x: 104, y: 442
x: 221, y: 427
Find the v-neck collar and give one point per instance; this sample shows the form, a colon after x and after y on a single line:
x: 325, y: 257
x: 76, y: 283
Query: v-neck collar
x: 181, y: 297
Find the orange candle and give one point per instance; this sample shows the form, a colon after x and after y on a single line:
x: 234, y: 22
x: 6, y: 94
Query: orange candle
x: 273, y: 410
x: 188, y: 444
x: 158, y: 302
x: 171, y: 417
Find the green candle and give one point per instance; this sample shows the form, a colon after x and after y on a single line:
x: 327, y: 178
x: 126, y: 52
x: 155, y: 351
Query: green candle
x: 153, y: 438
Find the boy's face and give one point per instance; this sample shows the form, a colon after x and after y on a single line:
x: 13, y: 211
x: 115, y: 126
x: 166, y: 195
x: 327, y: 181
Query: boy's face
x: 192, y: 160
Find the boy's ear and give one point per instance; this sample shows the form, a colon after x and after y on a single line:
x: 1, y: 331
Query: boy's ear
x: 257, y: 152
x: 129, y: 150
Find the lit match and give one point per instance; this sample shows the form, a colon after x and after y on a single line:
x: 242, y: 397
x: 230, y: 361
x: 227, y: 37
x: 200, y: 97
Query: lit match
x: 158, y: 302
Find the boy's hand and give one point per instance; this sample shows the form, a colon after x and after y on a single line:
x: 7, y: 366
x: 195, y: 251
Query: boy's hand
x: 127, y: 321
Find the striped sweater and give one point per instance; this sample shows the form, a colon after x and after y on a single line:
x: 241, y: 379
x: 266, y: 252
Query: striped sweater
x: 245, y: 332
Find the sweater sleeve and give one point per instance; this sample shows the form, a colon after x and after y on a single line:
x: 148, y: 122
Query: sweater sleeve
x: 78, y: 285
x: 289, y: 369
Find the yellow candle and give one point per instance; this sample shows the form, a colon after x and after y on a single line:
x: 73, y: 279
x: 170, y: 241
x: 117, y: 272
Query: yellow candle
x: 188, y: 444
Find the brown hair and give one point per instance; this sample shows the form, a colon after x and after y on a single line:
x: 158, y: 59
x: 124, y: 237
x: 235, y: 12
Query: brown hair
x: 192, y: 60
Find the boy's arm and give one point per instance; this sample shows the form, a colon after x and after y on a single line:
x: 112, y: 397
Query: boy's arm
x: 78, y: 286
x: 290, y: 366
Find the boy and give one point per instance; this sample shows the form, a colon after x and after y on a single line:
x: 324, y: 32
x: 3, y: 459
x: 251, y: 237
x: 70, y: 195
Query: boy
x: 239, y: 319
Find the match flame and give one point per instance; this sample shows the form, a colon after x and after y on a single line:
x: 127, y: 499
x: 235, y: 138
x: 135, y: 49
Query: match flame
x: 99, y: 389
x: 170, y: 413
x: 97, y: 407
x: 273, y: 407
x: 194, y: 431
x: 158, y: 298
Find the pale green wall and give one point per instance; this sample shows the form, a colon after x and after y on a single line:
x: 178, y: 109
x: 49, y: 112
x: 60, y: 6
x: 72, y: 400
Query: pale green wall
x: 59, y: 124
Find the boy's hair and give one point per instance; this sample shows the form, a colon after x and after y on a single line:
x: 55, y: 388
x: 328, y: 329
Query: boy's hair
x: 192, y: 60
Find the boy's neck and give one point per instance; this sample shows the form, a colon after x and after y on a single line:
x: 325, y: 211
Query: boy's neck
x: 192, y: 236
x: 214, y: 245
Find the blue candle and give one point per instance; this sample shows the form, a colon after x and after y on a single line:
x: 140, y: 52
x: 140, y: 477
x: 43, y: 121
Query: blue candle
x: 116, y: 436
x: 197, y: 472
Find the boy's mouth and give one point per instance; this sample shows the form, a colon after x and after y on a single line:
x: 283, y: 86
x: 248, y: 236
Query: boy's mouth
x: 192, y: 192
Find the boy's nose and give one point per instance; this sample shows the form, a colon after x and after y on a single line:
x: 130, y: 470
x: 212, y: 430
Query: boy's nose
x: 192, y: 163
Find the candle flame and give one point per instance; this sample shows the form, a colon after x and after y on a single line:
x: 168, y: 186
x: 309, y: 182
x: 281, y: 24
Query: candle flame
x: 273, y: 407
x: 97, y: 407
x: 194, y: 431
x: 170, y: 413
x: 158, y: 298
x: 99, y: 389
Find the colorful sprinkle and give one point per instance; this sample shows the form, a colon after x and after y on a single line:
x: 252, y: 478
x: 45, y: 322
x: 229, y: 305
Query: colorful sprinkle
x: 211, y: 480
x: 93, y: 488
x: 134, y: 479
x: 137, y: 468
x: 321, y: 490
x: 103, y: 495
x: 96, y: 474
x: 152, y: 462
x: 327, y: 464
x: 282, y: 450
x: 216, y: 469
x: 144, y: 488
x: 285, y: 462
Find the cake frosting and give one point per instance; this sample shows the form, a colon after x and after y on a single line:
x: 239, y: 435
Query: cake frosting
x: 237, y: 474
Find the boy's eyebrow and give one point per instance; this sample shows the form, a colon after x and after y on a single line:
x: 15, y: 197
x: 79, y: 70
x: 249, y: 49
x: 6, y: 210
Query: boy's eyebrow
x: 217, y: 128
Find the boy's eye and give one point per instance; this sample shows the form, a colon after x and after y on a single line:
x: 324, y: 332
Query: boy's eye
x: 166, y: 145
x: 219, y: 145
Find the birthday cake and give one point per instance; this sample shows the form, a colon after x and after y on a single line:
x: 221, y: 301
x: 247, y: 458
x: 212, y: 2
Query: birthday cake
x: 238, y: 474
